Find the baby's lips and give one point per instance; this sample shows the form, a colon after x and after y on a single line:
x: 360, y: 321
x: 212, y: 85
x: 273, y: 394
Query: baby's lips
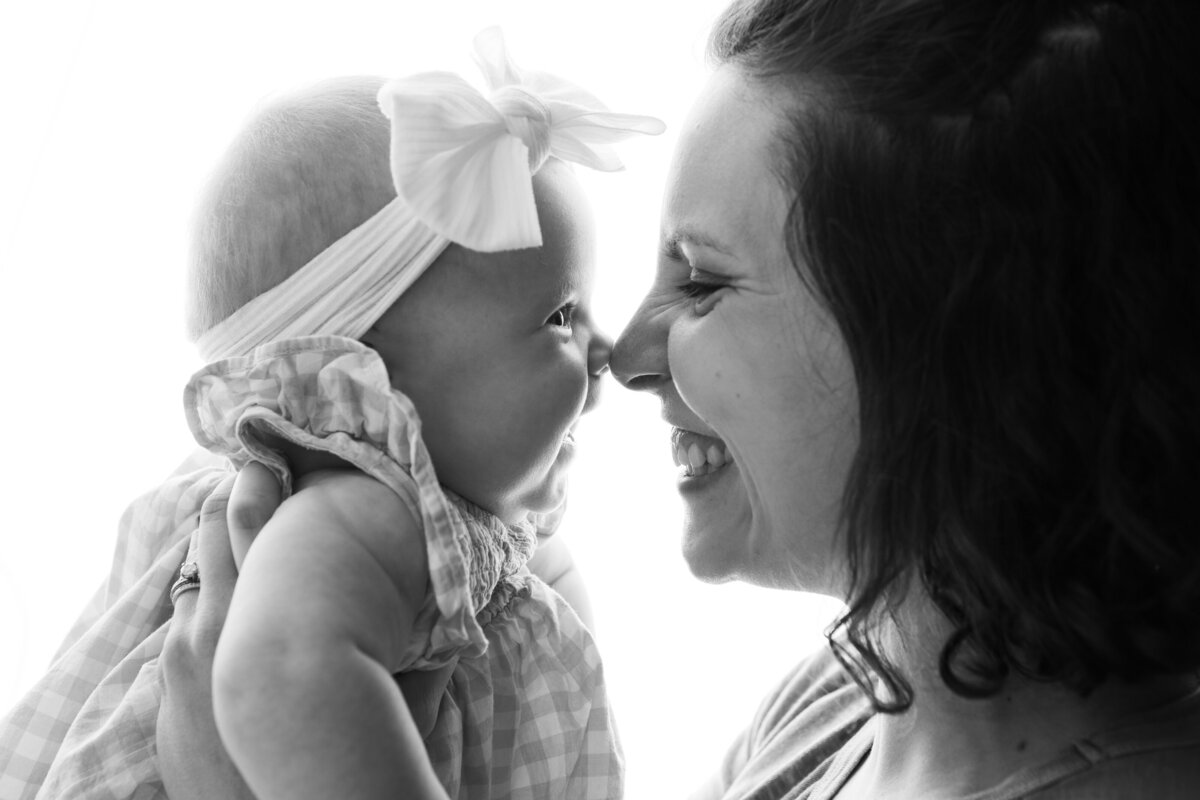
x: 593, y: 393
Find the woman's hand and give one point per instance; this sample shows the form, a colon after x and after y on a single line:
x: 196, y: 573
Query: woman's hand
x: 192, y: 759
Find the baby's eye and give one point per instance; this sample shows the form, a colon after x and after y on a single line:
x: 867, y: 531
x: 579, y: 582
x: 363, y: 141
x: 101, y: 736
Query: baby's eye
x: 563, y: 317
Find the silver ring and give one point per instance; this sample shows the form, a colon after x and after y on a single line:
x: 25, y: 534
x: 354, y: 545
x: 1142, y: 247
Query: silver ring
x: 189, y: 579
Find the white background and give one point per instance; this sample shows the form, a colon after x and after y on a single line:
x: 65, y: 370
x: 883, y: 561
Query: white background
x: 111, y: 114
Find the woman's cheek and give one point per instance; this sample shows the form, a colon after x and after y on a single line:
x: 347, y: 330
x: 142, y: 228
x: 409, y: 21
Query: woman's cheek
x: 707, y: 378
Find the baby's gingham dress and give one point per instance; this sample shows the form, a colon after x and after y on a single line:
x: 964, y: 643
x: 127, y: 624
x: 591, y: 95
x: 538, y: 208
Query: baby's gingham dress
x: 525, y: 713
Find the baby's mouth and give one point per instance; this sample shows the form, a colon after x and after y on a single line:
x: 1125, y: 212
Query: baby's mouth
x: 698, y: 454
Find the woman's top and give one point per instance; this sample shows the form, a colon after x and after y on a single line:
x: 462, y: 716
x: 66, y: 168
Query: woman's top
x: 812, y: 732
x: 525, y: 713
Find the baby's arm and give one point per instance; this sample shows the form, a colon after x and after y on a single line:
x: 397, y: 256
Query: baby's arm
x: 554, y: 564
x: 303, y: 691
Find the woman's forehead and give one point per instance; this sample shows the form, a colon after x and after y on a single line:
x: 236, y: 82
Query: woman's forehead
x: 724, y: 184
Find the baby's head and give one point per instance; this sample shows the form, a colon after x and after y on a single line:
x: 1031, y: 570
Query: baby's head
x: 498, y: 351
x: 500, y: 354
x: 306, y: 168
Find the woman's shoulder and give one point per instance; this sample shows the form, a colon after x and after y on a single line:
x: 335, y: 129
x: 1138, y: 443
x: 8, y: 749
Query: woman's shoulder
x: 1155, y: 754
x: 800, y: 726
x: 1166, y: 774
x: 817, y: 694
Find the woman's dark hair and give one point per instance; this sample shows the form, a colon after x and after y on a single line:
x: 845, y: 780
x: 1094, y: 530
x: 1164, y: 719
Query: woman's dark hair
x: 999, y: 203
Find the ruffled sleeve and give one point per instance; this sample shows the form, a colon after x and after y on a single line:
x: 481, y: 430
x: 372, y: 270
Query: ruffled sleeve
x: 333, y: 394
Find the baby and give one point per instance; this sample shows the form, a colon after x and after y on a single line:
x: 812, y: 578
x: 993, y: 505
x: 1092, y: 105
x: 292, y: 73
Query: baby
x: 337, y: 299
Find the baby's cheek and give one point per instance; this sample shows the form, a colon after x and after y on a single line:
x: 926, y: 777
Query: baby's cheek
x: 567, y: 400
x: 538, y: 417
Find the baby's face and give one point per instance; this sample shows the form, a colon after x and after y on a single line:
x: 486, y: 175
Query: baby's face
x: 500, y: 356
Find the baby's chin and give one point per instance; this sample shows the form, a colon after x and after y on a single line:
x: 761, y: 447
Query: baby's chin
x: 517, y: 492
x: 547, y: 522
x: 545, y: 503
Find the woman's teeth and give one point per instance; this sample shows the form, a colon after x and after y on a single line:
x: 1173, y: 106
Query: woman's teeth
x: 697, y: 454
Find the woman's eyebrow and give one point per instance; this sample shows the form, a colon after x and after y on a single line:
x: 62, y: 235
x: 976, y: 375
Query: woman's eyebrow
x: 695, y: 236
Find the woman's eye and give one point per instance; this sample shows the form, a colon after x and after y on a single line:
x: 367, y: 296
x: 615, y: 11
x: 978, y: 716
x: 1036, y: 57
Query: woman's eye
x: 701, y: 284
x: 563, y: 317
x: 695, y: 289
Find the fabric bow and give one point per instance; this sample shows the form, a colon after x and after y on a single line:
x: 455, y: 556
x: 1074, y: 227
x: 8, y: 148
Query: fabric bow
x: 464, y: 163
x: 463, y: 167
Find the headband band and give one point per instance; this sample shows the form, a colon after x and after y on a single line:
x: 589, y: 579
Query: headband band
x: 462, y: 165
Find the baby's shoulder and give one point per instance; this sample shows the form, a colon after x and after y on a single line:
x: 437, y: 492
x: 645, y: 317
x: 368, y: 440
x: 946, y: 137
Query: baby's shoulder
x: 361, y: 512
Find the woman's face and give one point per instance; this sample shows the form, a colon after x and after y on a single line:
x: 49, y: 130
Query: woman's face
x: 752, y: 374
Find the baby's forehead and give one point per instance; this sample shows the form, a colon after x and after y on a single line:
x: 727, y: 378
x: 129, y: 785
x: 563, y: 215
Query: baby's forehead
x: 564, y: 212
x: 520, y: 277
x: 564, y: 262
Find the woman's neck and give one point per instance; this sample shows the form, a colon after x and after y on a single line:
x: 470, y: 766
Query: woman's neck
x: 950, y: 746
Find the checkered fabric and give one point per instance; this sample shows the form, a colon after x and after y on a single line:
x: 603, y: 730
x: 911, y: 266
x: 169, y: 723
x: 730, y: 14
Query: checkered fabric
x: 525, y: 714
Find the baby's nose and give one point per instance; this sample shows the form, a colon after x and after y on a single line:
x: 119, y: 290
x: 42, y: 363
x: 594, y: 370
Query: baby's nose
x: 599, y: 352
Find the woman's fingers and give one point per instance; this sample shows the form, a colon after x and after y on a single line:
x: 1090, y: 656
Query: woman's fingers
x: 192, y: 760
x: 218, y: 574
x: 256, y: 494
x: 186, y: 659
x: 241, y: 503
x: 184, y: 603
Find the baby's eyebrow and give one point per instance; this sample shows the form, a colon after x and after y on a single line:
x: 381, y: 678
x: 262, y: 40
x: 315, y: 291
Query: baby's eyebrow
x: 558, y: 292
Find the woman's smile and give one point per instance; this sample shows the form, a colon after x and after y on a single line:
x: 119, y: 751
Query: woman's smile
x: 699, y: 455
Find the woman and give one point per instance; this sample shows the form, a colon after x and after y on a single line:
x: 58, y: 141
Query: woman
x: 924, y: 324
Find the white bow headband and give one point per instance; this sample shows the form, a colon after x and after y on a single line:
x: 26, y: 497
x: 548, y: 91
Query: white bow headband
x: 463, y: 167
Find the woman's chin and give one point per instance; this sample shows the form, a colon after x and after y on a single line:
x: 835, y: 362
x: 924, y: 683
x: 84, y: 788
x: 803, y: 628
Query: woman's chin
x: 704, y: 567
x: 716, y: 525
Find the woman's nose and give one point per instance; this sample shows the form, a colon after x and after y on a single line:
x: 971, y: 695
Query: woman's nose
x: 639, y: 356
